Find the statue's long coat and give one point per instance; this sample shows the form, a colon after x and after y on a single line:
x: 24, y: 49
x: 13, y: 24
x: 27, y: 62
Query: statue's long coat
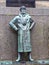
x: 24, y: 44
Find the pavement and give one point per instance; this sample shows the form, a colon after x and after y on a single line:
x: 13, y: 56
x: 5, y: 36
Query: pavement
x: 24, y: 62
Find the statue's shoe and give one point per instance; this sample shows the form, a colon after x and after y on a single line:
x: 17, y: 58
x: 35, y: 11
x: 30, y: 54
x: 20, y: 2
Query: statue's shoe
x: 18, y: 60
x: 32, y: 60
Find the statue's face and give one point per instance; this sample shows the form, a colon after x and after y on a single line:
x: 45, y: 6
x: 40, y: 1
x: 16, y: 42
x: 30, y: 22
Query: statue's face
x: 23, y: 11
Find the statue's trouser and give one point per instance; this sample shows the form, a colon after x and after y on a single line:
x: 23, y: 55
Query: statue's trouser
x: 19, y: 57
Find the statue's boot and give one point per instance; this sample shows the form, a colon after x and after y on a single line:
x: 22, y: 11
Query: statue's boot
x: 18, y: 59
x: 30, y: 58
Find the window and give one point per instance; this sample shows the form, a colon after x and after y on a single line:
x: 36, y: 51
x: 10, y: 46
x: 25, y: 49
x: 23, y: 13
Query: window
x: 17, y: 3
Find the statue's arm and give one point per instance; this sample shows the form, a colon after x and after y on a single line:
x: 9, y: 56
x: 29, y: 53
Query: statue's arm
x: 12, y: 23
x: 32, y: 23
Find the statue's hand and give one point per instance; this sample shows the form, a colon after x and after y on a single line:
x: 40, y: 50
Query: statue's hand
x: 16, y: 29
x: 32, y: 25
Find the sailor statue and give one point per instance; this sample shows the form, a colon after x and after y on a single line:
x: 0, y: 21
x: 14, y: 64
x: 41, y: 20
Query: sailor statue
x: 23, y: 24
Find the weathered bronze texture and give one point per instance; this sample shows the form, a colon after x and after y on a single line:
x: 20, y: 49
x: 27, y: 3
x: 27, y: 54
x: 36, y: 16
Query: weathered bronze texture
x: 23, y: 23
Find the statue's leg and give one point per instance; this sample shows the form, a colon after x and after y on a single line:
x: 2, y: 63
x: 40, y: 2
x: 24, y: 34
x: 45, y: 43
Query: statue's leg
x: 30, y: 58
x: 18, y: 59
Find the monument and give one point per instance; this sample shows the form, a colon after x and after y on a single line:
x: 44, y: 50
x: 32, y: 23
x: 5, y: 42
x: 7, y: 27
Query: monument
x: 23, y: 23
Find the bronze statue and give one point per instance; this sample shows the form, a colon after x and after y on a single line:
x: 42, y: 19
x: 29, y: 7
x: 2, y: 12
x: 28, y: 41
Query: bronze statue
x: 23, y: 24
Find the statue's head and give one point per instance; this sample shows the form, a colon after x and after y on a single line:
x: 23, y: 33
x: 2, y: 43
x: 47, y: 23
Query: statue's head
x: 23, y: 9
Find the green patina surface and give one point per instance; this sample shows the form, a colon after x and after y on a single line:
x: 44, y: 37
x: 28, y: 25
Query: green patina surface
x: 17, y: 23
